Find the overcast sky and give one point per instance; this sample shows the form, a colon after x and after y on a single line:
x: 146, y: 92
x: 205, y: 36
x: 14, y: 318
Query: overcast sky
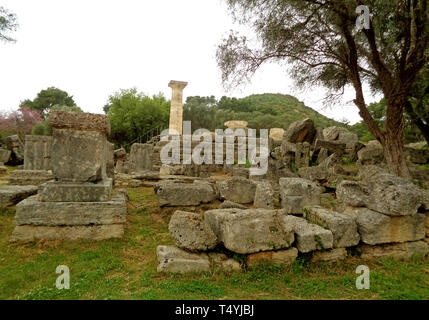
x: 93, y: 48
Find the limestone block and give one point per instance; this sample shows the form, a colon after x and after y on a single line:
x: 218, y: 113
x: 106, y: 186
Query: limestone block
x: 36, y: 213
x: 397, y: 251
x: 376, y: 228
x: 11, y: 195
x: 249, y: 231
x: 30, y: 177
x: 237, y: 189
x: 286, y: 257
x: 58, y: 191
x: 189, y: 231
x: 175, y: 260
x: 343, y: 227
x: 297, y: 193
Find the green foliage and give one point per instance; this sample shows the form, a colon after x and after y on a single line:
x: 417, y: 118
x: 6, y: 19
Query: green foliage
x: 133, y: 114
x: 378, y: 112
x: 47, y: 99
x: 261, y: 111
x: 8, y: 23
x: 43, y: 128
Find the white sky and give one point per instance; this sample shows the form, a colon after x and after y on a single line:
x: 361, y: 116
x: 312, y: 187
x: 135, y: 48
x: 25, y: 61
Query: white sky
x: 93, y: 48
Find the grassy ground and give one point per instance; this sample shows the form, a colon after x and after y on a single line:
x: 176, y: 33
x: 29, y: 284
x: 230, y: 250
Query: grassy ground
x: 126, y: 269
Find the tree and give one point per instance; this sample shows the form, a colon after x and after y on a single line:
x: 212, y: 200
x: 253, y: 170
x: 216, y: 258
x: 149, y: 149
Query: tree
x: 322, y: 44
x: 134, y: 114
x: 417, y: 106
x: 18, y: 122
x: 48, y: 98
x: 43, y: 128
x: 8, y: 23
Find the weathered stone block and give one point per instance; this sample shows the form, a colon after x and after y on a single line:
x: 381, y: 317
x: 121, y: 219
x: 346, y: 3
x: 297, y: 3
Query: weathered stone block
x: 11, y: 195
x: 264, y: 195
x: 376, y: 228
x: 4, y: 155
x: 69, y: 233
x: 30, y: 177
x: 78, y: 156
x: 397, y: 251
x: 176, y: 193
x: 286, y: 257
x: 231, y: 205
x: 224, y: 263
x: 36, y: 213
x: 37, y: 152
x: 237, y: 189
x: 333, y: 255
x: 79, y: 121
x: 189, y: 231
x: 309, y: 237
x: 300, y: 131
x: 140, y: 157
x: 297, y: 193
x: 59, y: 191
x: 249, y: 231
x: 175, y: 260
x: 343, y: 227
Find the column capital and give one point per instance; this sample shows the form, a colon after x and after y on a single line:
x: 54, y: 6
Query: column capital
x: 177, y: 84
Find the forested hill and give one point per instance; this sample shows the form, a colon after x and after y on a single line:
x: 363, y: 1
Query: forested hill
x: 261, y: 111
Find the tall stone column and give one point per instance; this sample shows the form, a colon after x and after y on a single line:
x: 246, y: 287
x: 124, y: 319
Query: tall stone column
x: 176, y: 110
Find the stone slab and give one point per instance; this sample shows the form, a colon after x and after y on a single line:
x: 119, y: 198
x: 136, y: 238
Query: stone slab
x: 32, y: 233
x: 79, y: 121
x: 29, y: 177
x: 57, y: 191
x: 33, y: 212
x: 11, y: 195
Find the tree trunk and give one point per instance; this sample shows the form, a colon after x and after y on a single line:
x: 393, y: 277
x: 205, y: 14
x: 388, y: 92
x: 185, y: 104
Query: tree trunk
x: 423, y: 127
x: 393, y: 138
x: 396, y: 159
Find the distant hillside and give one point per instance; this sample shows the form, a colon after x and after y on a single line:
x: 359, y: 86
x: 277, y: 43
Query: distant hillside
x: 261, y: 111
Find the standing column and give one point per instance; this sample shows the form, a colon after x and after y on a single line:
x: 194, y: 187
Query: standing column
x: 176, y: 110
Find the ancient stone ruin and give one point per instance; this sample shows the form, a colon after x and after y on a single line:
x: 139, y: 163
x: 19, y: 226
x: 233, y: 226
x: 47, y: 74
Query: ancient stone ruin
x: 37, y: 162
x: 79, y: 203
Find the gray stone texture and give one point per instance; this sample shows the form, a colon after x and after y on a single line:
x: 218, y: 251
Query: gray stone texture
x: 250, y: 231
x: 309, y: 237
x: 397, y: 251
x: 264, y: 195
x: 175, y: 260
x: 190, y: 231
x: 140, y: 157
x: 237, y: 189
x: 176, y: 193
x: 297, y: 193
x: 36, y: 213
x: 343, y: 227
x: 376, y: 228
x: 37, y: 152
x: 11, y: 195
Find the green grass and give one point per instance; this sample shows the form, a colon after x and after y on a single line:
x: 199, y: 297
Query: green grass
x: 126, y: 269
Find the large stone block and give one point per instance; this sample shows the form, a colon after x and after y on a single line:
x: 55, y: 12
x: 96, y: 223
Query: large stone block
x: 140, y: 157
x: 4, y: 155
x: 189, y: 231
x: 300, y: 131
x: 250, y: 231
x: 78, y: 156
x: 237, y: 189
x: 264, y: 195
x: 37, y: 152
x: 79, y: 121
x: 36, y: 213
x: 69, y: 233
x: 175, y: 260
x: 58, y: 191
x: 333, y: 255
x: 176, y: 193
x: 397, y: 251
x: 285, y: 257
x: 297, y: 193
x: 343, y: 227
x: 30, y: 177
x: 309, y: 237
x: 11, y: 195
x: 399, y: 196
x: 376, y: 228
